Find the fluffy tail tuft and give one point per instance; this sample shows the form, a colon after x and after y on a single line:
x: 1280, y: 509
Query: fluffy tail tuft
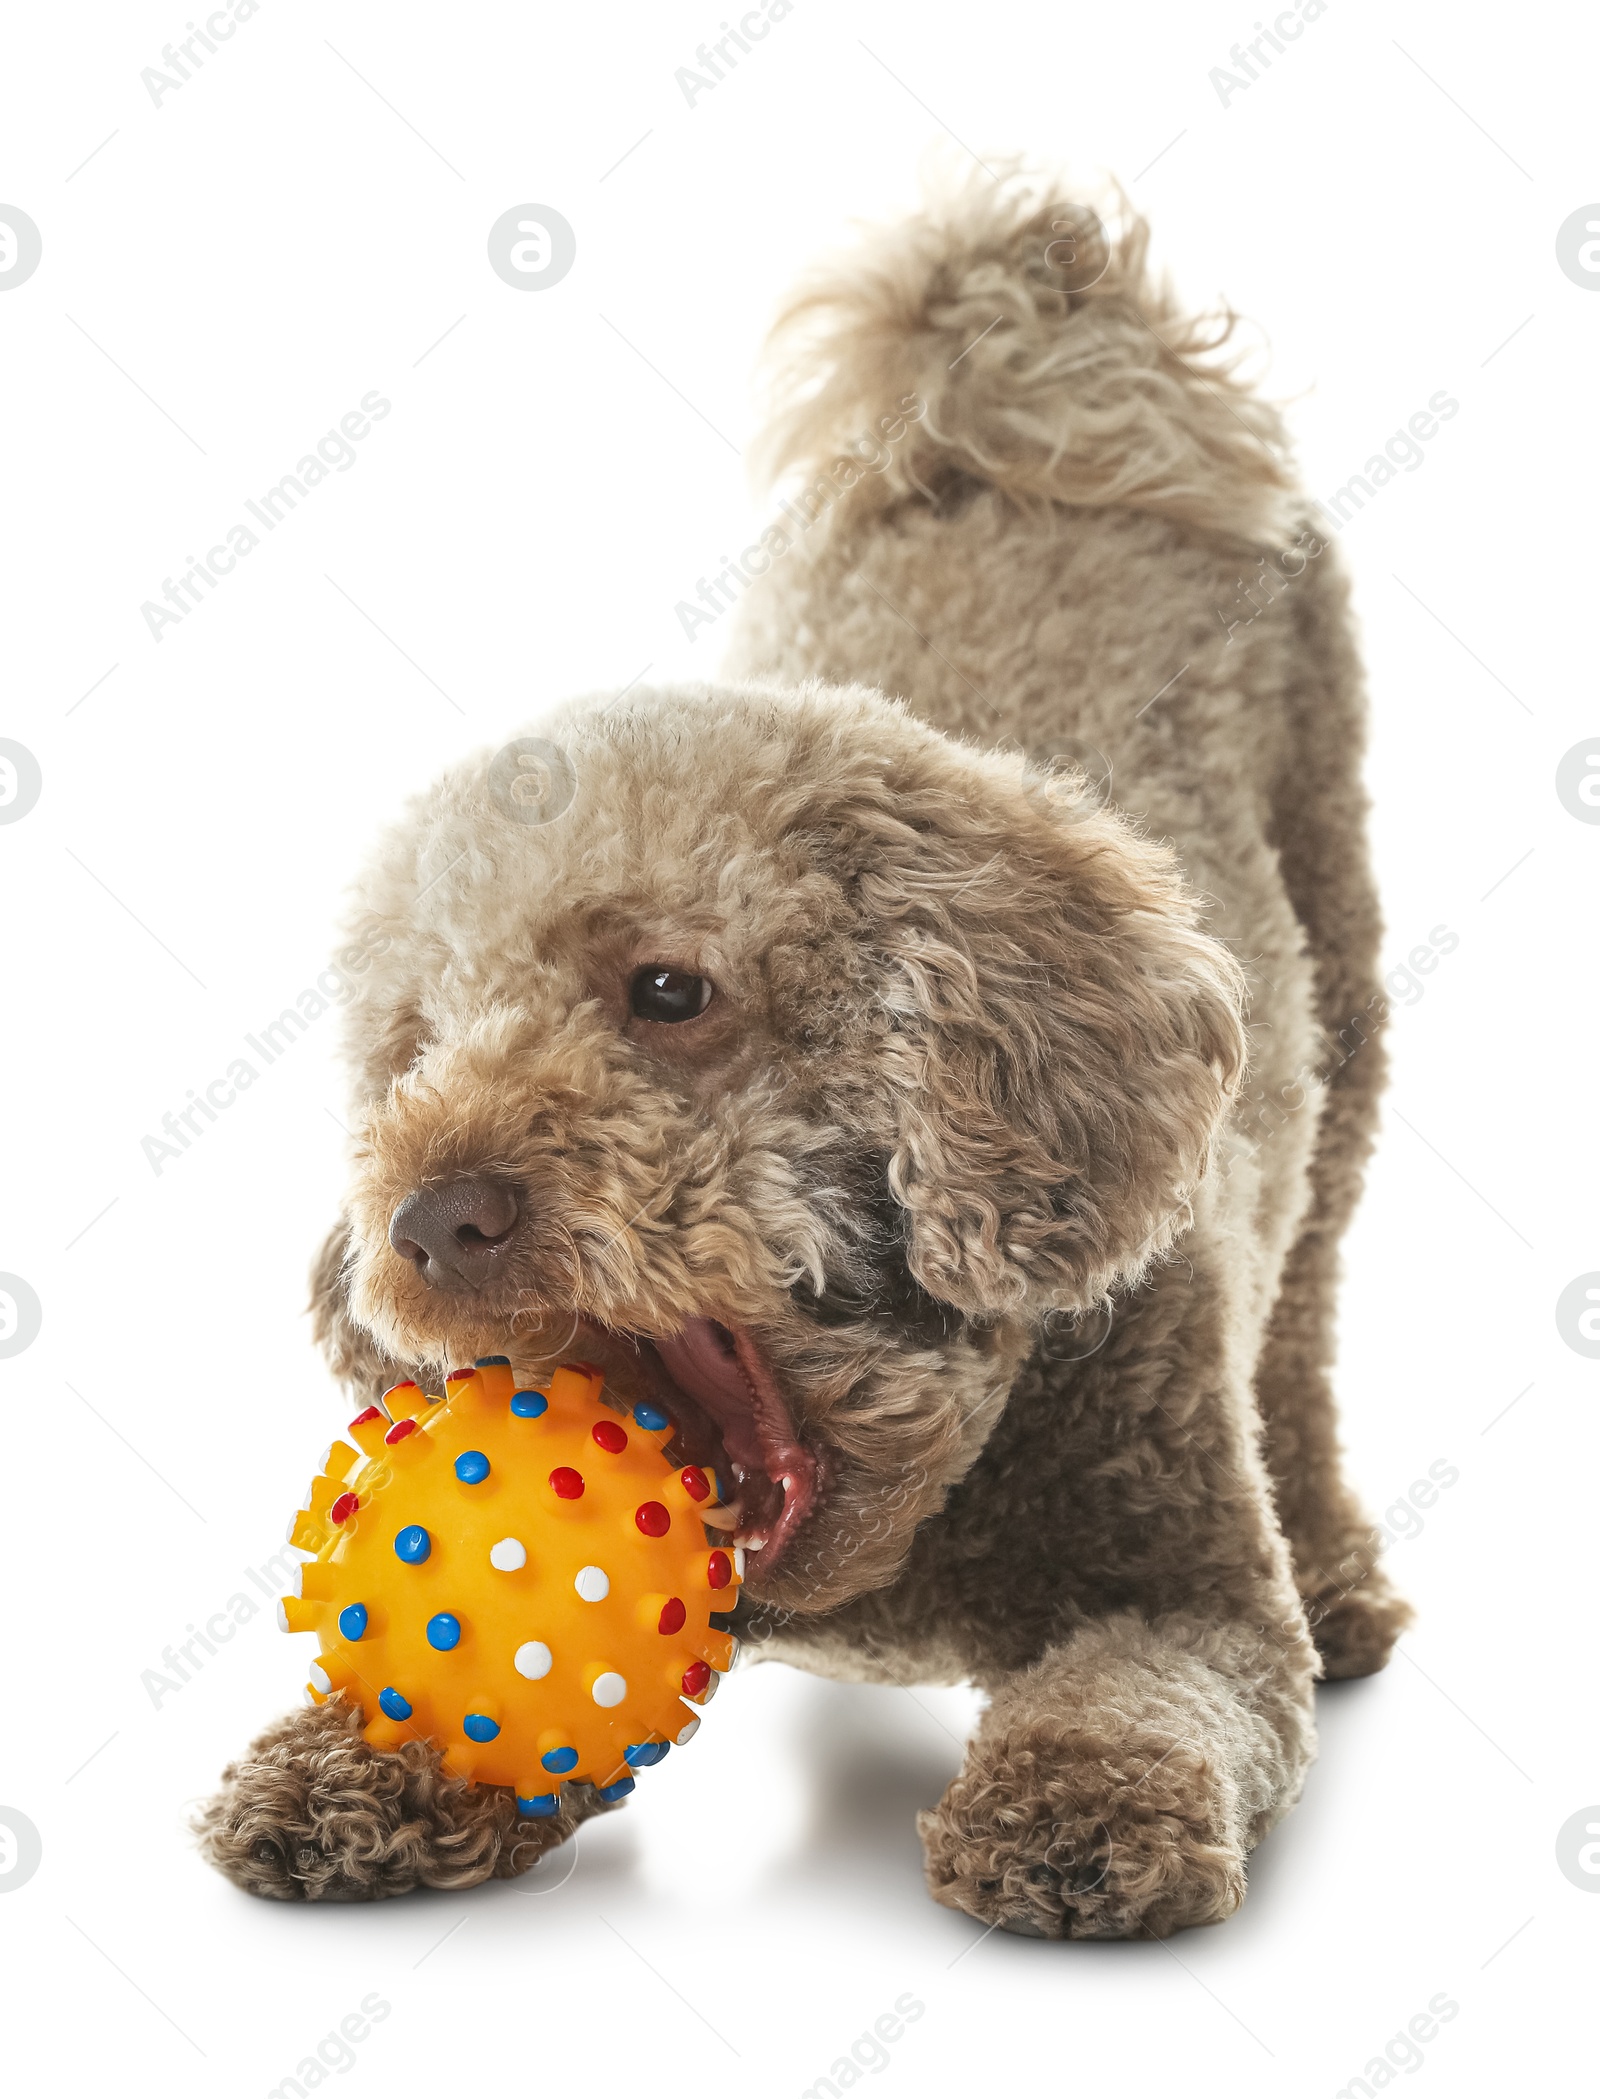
x: 1046, y: 362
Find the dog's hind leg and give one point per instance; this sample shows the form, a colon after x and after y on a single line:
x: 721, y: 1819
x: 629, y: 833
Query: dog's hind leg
x: 1319, y: 827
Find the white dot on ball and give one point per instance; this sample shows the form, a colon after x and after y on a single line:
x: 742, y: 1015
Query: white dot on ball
x: 508, y: 1555
x: 321, y: 1678
x: 686, y: 1734
x: 533, y: 1659
x: 609, y: 1688
x: 283, y: 1617
x: 593, y: 1584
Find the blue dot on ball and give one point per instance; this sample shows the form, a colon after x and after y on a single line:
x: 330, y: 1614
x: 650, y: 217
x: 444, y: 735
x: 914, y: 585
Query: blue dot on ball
x: 643, y: 1754
x: 650, y: 1417
x: 478, y: 1727
x: 539, y: 1804
x: 394, y: 1705
x: 413, y: 1544
x: 353, y: 1620
x: 492, y: 1362
x: 471, y: 1467
x: 622, y: 1786
x: 559, y: 1759
x: 528, y: 1406
x: 444, y: 1632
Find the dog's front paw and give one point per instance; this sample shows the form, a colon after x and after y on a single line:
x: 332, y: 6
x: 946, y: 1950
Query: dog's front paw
x: 1059, y: 1836
x: 313, y: 1813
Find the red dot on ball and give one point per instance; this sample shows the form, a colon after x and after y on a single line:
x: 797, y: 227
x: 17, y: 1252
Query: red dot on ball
x: 609, y: 1436
x: 719, y: 1570
x: 695, y: 1679
x: 369, y: 1414
x: 695, y: 1483
x: 672, y: 1616
x: 400, y: 1431
x: 345, y: 1507
x: 652, y: 1519
x: 567, y: 1483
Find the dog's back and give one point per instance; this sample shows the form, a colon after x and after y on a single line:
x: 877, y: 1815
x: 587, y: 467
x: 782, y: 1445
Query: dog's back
x: 1021, y: 490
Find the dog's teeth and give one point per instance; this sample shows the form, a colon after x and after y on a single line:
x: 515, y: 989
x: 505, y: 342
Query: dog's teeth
x: 722, y: 1516
x: 753, y: 1541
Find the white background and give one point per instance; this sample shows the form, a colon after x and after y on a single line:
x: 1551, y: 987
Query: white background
x: 229, y: 273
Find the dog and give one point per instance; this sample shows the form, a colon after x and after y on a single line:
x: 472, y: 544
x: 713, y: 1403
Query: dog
x: 937, y: 1063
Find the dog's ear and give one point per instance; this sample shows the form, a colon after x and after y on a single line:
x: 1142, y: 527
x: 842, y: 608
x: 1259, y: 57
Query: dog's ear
x: 1062, y: 1040
x: 355, y: 1358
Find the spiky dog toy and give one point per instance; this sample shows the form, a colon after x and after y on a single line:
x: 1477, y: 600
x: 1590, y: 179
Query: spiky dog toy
x: 521, y: 1576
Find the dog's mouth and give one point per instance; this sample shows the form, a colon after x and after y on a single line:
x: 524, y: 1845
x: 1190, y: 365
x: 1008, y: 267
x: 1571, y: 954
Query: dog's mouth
x: 732, y: 1419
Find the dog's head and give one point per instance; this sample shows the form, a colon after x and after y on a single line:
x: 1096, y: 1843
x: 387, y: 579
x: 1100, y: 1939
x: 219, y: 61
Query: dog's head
x: 794, y: 1070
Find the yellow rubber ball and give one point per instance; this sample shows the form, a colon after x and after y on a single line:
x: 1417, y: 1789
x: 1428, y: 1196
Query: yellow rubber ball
x: 519, y: 1575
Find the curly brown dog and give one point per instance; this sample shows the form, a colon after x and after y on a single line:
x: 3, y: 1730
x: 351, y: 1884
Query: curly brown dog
x: 870, y: 1089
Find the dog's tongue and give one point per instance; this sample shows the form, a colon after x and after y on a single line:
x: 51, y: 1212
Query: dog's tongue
x: 727, y: 1374
x: 701, y: 1359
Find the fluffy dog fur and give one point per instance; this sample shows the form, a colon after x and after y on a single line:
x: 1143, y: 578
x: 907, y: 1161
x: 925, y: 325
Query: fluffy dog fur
x: 959, y: 1154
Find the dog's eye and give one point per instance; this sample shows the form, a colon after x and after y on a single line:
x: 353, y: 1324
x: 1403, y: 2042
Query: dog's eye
x: 660, y: 993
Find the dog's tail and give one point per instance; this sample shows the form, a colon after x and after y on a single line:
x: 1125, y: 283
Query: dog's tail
x: 1012, y: 335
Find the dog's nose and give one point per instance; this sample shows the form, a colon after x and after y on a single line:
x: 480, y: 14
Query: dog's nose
x: 457, y: 1235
